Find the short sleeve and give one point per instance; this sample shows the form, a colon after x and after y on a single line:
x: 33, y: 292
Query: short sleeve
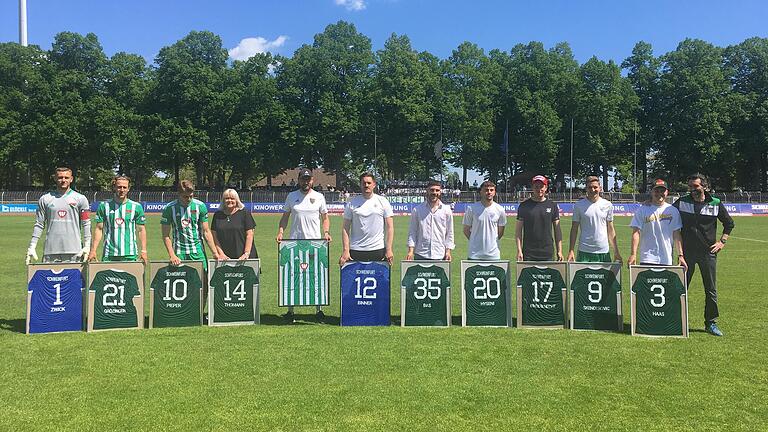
x: 203, y: 213
x: 83, y: 207
x: 576, y: 217
x: 101, y: 213
x: 141, y: 218
x: 387, y: 208
x: 555, y: 212
x: 467, y: 216
x: 348, y: 211
x: 215, y: 221
x: 288, y: 204
x: 609, y: 216
x: 677, y: 222
x: 165, y: 217
x: 502, y: 216
x: 521, y: 211
x: 323, y: 206
x: 637, y: 219
x: 248, y: 221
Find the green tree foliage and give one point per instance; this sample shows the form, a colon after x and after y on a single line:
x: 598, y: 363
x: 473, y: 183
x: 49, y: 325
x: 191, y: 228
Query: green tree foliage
x: 336, y: 104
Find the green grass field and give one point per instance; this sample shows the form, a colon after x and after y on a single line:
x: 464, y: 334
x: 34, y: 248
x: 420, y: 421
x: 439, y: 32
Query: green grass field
x: 323, y: 377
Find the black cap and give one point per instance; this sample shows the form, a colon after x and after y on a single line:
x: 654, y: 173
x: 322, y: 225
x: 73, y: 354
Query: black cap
x: 660, y: 183
x: 305, y: 173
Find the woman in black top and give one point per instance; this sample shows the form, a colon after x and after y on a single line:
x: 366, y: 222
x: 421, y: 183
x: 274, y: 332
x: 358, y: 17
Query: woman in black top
x: 232, y: 228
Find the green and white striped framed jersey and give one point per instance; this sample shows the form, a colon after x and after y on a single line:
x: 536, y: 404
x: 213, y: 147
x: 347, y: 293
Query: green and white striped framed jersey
x: 303, y: 268
x: 185, y: 225
x: 120, y: 222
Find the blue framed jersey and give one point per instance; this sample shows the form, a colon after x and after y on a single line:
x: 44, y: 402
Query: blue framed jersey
x: 55, y: 301
x: 365, y: 294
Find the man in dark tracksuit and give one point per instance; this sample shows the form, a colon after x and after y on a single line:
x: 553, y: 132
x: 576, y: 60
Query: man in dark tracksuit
x: 700, y: 212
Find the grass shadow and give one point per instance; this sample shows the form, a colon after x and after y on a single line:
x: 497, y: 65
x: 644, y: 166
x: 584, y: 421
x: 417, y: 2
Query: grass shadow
x: 14, y: 325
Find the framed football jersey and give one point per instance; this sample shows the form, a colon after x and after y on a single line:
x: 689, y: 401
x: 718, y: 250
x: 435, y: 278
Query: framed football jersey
x: 303, y: 273
x: 425, y: 293
x: 55, y: 298
x: 365, y: 294
x: 595, y: 296
x: 175, y: 294
x: 485, y: 294
x: 233, y: 292
x: 659, y: 301
x: 115, y: 296
x: 541, y: 294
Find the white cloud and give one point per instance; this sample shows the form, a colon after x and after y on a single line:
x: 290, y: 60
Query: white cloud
x: 352, y: 5
x: 251, y: 46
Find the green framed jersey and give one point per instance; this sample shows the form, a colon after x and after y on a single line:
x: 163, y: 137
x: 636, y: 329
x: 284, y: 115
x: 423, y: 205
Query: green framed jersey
x: 596, y: 299
x: 113, y: 307
x: 120, y: 221
x: 232, y: 295
x: 303, y: 273
x: 485, y: 294
x: 541, y: 299
x: 425, y: 295
x: 176, y: 297
x: 185, y: 225
x: 659, y: 303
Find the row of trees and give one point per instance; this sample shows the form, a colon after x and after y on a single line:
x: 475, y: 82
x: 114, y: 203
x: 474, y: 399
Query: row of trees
x: 338, y: 104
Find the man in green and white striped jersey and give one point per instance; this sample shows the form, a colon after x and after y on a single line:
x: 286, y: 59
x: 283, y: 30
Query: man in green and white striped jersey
x: 186, y: 218
x: 120, y: 221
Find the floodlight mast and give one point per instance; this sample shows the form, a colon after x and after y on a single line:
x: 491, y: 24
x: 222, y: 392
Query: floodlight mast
x: 23, y: 22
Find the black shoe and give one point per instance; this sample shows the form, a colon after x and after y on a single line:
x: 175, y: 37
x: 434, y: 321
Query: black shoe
x: 320, y: 317
x: 289, y: 318
x: 205, y: 319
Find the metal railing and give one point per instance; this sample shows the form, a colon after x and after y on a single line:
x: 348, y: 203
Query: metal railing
x: 279, y: 196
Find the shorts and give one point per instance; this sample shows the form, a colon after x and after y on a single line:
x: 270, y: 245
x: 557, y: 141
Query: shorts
x: 62, y: 258
x: 593, y: 257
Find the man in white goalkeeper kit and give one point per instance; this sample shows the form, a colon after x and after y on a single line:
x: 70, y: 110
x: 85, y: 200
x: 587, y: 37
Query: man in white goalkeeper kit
x: 64, y: 215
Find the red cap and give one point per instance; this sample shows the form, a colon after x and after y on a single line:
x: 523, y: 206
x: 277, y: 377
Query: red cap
x: 660, y: 183
x: 540, y: 178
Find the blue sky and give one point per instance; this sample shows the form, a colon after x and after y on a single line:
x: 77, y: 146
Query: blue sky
x: 606, y: 29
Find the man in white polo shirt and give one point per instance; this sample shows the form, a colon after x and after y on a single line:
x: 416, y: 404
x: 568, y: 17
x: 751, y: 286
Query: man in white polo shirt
x: 430, y: 234
x: 656, y: 228
x: 307, y: 210
x: 484, y: 223
x: 367, y: 218
x: 593, y: 215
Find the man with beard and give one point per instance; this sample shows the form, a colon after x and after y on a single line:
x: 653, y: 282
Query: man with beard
x: 594, y: 216
x: 367, y: 219
x: 308, y: 210
x: 537, y: 219
x: 484, y: 223
x: 430, y: 233
x: 700, y: 212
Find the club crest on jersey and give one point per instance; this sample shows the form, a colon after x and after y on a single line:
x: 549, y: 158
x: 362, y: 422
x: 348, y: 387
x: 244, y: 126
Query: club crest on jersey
x: 549, y: 210
x: 119, y: 221
x: 185, y: 223
x: 312, y: 200
x: 72, y: 203
x: 304, y: 266
x: 62, y: 213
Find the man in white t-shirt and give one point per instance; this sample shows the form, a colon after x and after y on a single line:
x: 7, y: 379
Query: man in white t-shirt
x: 484, y: 223
x: 594, y: 216
x: 656, y: 228
x: 367, y: 218
x: 307, y: 210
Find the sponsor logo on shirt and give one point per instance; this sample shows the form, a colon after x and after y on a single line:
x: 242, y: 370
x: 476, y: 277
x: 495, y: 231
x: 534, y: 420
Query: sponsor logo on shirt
x: 119, y: 221
x: 660, y: 217
x: 304, y: 266
x: 62, y: 213
x: 185, y: 223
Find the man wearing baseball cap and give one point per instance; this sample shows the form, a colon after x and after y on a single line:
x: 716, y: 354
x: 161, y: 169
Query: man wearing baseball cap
x: 655, y: 229
x: 307, y: 210
x: 537, y: 219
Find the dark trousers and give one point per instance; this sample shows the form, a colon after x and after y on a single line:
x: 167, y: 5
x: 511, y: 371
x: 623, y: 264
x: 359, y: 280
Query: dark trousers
x: 421, y: 258
x: 707, y: 263
x: 365, y: 256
